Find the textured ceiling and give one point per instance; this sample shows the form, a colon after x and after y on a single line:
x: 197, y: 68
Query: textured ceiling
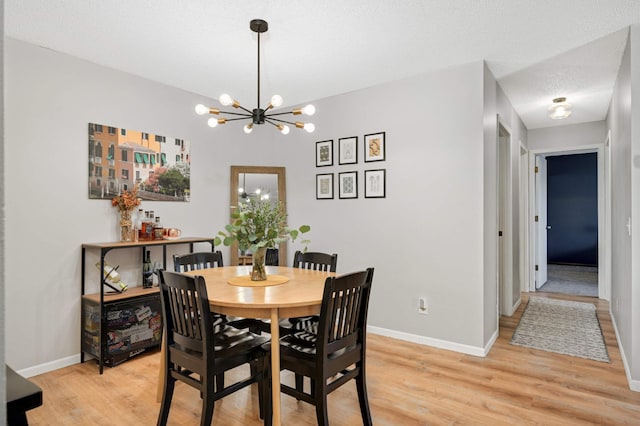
x: 537, y: 49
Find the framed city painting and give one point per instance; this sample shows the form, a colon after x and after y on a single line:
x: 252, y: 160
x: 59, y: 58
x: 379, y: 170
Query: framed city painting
x: 374, y: 183
x: 324, y: 186
x: 324, y: 153
x: 374, y: 147
x: 348, y: 185
x: 121, y: 158
x: 348, y: 150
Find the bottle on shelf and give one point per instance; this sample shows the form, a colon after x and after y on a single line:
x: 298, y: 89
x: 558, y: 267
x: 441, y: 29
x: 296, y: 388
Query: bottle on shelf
x: 157, y: 229
x: 150, y: 225
x: 147, y: 271
x: 137, y: 225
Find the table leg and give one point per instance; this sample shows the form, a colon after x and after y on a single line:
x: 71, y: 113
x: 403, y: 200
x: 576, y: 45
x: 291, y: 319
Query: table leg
x: 275, y: 366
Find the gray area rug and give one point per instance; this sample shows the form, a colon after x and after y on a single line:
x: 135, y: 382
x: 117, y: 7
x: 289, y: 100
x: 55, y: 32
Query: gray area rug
x: 561, y: 326
x: 569, y: 279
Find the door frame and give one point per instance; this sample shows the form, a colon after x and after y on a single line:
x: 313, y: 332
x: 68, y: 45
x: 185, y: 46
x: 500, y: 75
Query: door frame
x: 604, y: 221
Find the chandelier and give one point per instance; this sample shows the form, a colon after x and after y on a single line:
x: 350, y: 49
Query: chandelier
x: 257, y: 115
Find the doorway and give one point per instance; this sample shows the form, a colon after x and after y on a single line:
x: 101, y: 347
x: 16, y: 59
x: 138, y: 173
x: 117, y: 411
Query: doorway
x: 568, y: 200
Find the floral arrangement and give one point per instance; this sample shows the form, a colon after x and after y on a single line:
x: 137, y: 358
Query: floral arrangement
x: 127, y: 200
x: 259, y: 223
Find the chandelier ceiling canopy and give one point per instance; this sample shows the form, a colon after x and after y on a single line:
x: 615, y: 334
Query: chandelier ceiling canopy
x: 257, y: 115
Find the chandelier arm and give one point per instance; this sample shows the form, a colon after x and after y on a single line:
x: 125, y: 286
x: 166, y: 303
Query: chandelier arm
x: 277, y: 119
x: 239, y: 118
x: 280, y: 113
x: 249, y: 114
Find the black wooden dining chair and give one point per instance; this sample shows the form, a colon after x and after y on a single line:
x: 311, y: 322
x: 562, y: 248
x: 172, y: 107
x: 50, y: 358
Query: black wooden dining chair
x: 315, y: 260
x: 271, y: 258
x: 310, y: 260
x: 198, y: 260
x: 195, y: 353
x: 336, y: 354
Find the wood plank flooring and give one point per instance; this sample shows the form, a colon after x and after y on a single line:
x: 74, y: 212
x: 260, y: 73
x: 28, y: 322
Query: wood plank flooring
x: 408, y: 384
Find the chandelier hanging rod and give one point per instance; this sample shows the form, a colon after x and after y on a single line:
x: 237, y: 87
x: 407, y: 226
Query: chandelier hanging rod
x: 257, y: 115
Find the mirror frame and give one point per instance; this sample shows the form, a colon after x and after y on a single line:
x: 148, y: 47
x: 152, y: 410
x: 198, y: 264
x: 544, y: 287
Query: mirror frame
x: 234, y: 179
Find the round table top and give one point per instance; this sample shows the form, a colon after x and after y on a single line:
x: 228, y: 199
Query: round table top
x: 303, y: 288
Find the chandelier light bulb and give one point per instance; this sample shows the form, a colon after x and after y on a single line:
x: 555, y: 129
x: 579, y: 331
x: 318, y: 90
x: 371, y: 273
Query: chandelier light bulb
x: 201, y: 109
x: 225, y: 99
x: 265, y: 196
x: 276, y: 101
x: 309, y: 110
x: 283, y: 129
x: 213, y: 122
x: 248, y: 128
x: 240, y: 190
x: 309, y: 127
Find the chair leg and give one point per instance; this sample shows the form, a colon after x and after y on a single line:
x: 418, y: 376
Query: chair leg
x: 167, y: 395
x: 207, y: 403
x: 266, y: 411
x: 321, y: 402
x: 361, y: 386
x: 299, y: 383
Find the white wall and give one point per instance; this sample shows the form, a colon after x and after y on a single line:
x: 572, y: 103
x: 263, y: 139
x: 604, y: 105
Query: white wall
x: 623, y: 121
x: 50, y: 98
x: 426, y: 238
x: 570, y: 137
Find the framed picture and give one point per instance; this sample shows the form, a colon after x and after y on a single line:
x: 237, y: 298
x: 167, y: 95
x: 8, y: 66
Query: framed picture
x: 374, y: 147
x: 348, y: 185
x: 120, y: 158
x: 324, y: 153
x: 348, y: 150
x: 324, y: 186
x: 374, y: 183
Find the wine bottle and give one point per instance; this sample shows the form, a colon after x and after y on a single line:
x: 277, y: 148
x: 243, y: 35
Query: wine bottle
x: 147, y: 271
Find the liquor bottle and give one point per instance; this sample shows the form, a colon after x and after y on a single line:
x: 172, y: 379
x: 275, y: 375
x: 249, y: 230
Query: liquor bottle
x: 143, y: 226
x: 150, y: 225
x: 147, y: 271
x: 137, y: 225
x: 157, y: 229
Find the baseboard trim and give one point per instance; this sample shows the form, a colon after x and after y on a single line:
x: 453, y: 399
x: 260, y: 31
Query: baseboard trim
x: 49, y: 366
x: 634, y: 385
x: 436, y: 343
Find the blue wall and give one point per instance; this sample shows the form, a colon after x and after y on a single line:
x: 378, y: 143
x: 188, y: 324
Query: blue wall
x: 572, y: 209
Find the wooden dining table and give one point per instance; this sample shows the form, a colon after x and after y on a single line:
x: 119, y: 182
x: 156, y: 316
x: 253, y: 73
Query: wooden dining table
x: 287, y: 292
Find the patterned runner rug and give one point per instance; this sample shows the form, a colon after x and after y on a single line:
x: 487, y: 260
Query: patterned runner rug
x: 561, y: 326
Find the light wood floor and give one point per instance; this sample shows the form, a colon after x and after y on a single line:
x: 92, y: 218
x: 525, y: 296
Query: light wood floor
x: 408, y: 384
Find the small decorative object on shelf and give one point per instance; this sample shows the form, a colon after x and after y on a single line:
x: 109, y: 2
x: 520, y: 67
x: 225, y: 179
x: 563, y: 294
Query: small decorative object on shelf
x: 258, y: 224
x: 126, y: 202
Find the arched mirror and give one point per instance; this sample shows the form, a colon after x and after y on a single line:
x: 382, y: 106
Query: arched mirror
x: 252, y: 181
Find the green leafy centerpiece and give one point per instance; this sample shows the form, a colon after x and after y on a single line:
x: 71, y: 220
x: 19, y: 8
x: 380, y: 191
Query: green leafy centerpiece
x: 256, y: 225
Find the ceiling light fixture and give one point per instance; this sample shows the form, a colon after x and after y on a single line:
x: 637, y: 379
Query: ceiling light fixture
x: 258, y: 115
x: 560, y: 109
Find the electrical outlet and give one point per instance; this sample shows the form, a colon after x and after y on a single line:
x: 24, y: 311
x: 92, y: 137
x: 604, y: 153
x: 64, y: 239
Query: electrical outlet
x: 423, y: 307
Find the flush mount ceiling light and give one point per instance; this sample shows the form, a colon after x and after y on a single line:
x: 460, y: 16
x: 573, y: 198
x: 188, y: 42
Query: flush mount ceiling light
x: 258, y: 115
x: 560, y: 109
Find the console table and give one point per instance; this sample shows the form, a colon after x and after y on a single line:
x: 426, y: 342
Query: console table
x: 94, y: 331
